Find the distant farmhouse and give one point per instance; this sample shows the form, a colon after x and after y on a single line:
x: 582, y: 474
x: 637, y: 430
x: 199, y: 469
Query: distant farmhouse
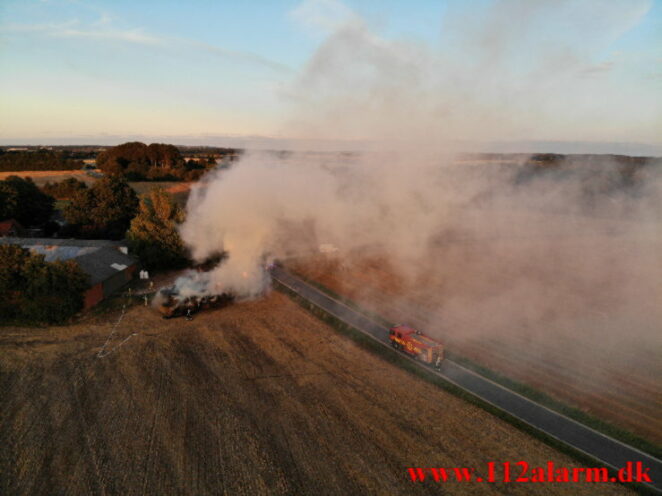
x: 11, y: 227
x: 106, y: 262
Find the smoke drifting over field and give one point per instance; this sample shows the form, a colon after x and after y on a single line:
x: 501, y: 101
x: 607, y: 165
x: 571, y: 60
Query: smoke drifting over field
x: 515, y: 70
x: 573, y: 250
x: 412, y: 102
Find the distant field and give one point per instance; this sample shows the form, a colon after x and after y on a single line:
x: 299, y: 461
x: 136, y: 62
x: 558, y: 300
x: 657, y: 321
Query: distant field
x: 61, y: 204
x: 256, y: 398
x: 42, y: 177
x: 180, y: 190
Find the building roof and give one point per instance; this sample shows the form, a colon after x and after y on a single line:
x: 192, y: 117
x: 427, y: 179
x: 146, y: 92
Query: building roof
x: 104, y: 263
x: 61, y: 242
x: 99, y: 258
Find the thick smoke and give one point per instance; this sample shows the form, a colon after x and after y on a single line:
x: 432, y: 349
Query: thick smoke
x: 270, y: 207
x: 512, y: 70
x: 415, y: 104
x: 551, y: 258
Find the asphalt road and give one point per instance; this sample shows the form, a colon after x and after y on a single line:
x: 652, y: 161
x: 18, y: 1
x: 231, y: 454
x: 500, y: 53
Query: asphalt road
x: 605, y: 449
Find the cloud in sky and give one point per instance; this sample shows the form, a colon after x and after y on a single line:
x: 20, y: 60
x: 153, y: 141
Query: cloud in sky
x: 544, y: 70
x: 104, y: 30
x: 324, y: 15
x: 249, y: 57
x: 510, y: 71
x: 600, y: 68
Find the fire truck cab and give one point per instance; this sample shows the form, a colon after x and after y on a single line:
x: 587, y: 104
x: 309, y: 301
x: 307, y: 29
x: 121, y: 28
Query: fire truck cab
x: 417, y: 344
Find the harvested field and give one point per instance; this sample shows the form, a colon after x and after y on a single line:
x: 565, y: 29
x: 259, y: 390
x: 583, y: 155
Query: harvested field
x: 256, y: 398
x: 179, y: 190
x: 42, y: 177
x: 142, y: 187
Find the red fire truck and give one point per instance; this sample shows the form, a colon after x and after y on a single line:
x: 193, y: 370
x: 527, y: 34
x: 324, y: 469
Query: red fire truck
x: 417, y: 344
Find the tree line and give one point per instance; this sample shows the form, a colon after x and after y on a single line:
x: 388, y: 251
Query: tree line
x: 33, y: 290
x: 134, y: 160
x: 38, y: 160
x: 139, y: 162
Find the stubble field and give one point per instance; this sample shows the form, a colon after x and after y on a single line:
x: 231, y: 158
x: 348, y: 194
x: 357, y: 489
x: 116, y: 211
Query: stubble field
x: 256, y: 398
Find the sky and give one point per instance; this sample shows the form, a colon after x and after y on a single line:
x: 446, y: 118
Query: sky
x: 77, y: 71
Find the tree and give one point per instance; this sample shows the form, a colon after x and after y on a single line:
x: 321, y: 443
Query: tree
x: 153, y: 235
x: 105, y: 210
x: 64, y: 190
x: 138, y: 161
x: 113, y: 166
x: 22, y: 200
x: 12, y: 260
x: 33, y: 290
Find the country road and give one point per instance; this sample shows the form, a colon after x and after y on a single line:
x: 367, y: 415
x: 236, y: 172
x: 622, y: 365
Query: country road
x: 603, y: 448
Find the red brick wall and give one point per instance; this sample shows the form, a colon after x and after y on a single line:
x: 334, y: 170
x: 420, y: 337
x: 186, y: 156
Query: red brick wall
x: 93, y: 296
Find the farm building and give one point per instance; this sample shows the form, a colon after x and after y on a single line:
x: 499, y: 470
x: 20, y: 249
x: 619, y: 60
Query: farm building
x: 10, y: 227
x: 107, y: 263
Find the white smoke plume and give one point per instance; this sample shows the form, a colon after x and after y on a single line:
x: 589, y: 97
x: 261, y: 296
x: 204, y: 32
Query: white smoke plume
x: 414, y: 103
x: 273, y: 207
x: 511, y: 70
x: 487, y: 250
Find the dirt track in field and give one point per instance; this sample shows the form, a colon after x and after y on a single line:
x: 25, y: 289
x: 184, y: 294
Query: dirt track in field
x: 256, y: 398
